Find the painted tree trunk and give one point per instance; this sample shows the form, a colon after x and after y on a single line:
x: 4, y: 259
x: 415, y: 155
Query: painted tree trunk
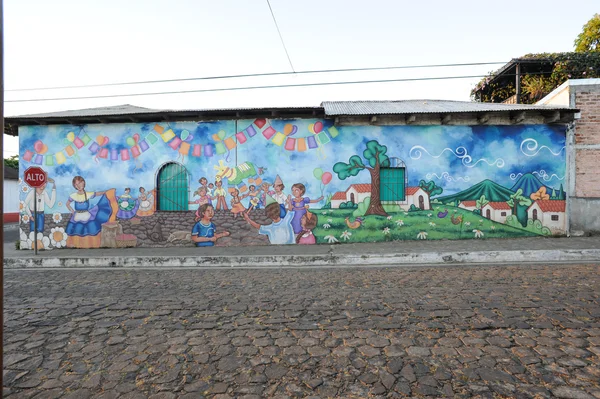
x: 375, y: 207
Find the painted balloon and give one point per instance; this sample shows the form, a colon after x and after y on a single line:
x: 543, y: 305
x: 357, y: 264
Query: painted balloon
x: 294, y: 130
x: 136, y: 137
x: 317, y: 173
x: 130, y: 141
x: 221, y: 134
x: 105, y: 141
x: 100, y: 139
x: 318, y: 127
x: 184, y: 135
x: 326, y: 178
x: 311, y: 128
x: 44, y: 149
x: 288, y: 129
x: 37, y: 146
x: 71, y: 136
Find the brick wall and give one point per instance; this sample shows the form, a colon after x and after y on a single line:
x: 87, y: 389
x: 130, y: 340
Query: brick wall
x: 587, y: 143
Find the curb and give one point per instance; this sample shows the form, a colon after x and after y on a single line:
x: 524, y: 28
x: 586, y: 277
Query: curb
x: 326, y: 260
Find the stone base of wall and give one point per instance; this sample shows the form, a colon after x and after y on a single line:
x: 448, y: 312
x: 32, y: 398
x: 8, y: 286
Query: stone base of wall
x: 584, y: 215
x: 168, y: 229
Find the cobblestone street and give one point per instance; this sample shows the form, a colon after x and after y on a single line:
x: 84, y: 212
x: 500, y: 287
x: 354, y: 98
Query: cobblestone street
x: 530, y: 331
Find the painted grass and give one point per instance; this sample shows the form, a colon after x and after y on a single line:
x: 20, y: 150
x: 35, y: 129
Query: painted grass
x: 410, y: 226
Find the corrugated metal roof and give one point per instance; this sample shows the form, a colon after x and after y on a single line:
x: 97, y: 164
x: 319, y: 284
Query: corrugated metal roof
x: 337, y: 108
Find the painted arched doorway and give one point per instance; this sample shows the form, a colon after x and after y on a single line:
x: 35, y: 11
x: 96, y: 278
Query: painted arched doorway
x: 172, y: 187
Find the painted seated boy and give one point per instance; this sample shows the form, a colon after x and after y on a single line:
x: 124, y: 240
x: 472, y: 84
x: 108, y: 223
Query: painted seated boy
x: 203, y: 232
x: 280, y: 231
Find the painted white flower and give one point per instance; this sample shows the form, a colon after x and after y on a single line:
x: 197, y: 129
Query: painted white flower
x: 478, y: 233
x: 331, y: 239
x: 330, y: 220
x: 400, y: 223
x: 21, y: 206
x: 389, y: 218
x: 456, y: 210
x: 432, y: 224
x: 480, y: 220
x: 25, y: 218
x: 326, y: 226
x: 467, y: 223
x: 493, y: 227
x: 59, y: 203
x: 346, y: 235
x: 25, y: 188
x: 429, y: 215
x: 422, y: 235
x: 58, y: 237
x: 19, y: 180
x: 57, y: 217
x: 386, y: 230
x: 324, y: 213
x: 43, y: 242
x: 405, y: 213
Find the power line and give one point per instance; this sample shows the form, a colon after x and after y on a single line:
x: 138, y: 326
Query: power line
x: 243, y: 88
x: 280, y: 37
x: 260, y: 75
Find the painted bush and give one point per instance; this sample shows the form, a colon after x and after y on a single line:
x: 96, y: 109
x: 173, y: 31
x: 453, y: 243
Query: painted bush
x: 255, y: 182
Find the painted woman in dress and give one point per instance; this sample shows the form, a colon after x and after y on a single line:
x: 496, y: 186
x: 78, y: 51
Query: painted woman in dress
x: 146, y: 201
x: 236, y: 203
x: 86, y: 222
x: 299, y: 205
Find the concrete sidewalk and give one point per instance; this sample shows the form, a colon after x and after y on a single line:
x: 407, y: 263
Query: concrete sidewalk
x: 398, y: 253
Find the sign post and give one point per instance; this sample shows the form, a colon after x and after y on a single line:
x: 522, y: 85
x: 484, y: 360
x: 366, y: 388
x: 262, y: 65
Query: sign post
x: 35, y: 177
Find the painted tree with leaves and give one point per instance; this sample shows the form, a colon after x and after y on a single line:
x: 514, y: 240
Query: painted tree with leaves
x: 376, y: 157
x: 517, y: 199
x: 481, y: 202
x: 430, y: 188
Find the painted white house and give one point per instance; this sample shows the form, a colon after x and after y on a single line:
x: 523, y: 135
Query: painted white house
x: 358, y: 192
x: 468, y: 205
x: 550, y: 212
x: 496, y: 211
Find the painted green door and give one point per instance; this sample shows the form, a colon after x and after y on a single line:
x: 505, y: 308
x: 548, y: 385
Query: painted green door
x: 173, y: 188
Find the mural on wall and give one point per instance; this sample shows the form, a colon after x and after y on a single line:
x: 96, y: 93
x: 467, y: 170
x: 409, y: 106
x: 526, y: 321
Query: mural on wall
x: 260, y: 182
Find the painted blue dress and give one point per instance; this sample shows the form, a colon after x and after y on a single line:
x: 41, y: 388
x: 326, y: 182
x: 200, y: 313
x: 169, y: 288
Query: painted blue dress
x: 86, y: 221
x: 204, y: 230
x: 127, y: 207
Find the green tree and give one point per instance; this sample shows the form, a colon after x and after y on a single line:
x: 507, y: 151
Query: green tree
x: 481, y: 202
x: 375, y: 154
x: 430, y: 188
x: 589, y: 38
x: 12, y: 162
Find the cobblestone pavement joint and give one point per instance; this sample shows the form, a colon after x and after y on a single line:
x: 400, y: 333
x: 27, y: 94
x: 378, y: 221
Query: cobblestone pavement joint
x: 489, y: 332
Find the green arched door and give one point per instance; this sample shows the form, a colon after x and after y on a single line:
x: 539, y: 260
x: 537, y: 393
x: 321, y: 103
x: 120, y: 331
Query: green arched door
x: 173, y: 188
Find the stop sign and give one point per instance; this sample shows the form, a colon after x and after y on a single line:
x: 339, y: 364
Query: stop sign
x: 35, y: 176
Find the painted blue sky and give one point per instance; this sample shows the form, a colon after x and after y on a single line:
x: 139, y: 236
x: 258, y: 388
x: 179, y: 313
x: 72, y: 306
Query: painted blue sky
x: 455, y: 157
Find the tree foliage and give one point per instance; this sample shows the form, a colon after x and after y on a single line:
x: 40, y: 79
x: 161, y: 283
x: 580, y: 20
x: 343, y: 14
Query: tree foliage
x: 431, y: 188
x: 589, y: 38
x: 481, y: 202
x: 559, y: 68
x: 12, y: 162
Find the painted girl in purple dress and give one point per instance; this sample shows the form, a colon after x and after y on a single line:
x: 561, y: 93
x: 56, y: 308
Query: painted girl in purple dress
x: 299, y: 205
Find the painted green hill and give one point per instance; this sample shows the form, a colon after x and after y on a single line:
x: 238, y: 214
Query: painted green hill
x: 492, y: 191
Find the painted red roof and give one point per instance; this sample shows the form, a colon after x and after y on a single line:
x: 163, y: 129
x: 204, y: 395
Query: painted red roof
x: 499, y: 205
x: 361, y: 188
x: 412, y: 190
x: 340, y: 195
x: 551, y: 205
x: 469, y: 203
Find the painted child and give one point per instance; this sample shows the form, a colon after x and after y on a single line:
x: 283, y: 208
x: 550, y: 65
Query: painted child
x: 204, y: 197
x: 204, y: 184
x: 299, y: 204
x: 204, y: 231
x: 280, y: 230
x: 236, y: 203
x: 220, y: 194
x: 309, y: 221
x: 253, y: 193
x: 264, y: 189
x: 279, y: 196
x: 43, y: 199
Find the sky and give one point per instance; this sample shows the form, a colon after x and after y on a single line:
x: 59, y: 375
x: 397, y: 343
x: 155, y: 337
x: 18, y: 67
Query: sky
x: 76, y: 42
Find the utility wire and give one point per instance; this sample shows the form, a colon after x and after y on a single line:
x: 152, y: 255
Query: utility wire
x: 250, y: 88
x: 252, y: 75
x: 280, y: 37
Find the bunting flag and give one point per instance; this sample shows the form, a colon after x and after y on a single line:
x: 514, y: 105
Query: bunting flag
x: 181, y: 142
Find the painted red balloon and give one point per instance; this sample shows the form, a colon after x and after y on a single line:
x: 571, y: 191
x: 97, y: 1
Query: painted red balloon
x: 38, y: 146
x: 136, y: 137
x: 318, y: 127
x: 326, y: 178
x: 106, y: 140
x: 260, y: 123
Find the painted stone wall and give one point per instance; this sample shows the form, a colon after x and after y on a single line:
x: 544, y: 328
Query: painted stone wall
x: 262, y: 182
